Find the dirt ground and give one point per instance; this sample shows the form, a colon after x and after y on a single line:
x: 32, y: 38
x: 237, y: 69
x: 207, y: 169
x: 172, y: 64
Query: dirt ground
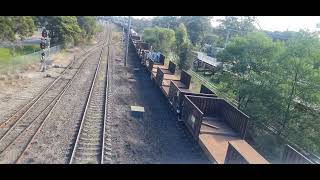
x: 155, y: 138
x: 19, y: 88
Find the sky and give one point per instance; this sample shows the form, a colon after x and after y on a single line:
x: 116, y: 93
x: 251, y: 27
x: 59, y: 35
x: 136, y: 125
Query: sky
x: 277, y: 23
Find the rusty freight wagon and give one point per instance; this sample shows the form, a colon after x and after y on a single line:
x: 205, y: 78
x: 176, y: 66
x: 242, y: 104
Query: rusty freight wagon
x: 159, y: 70
x: 163, y: 80
x: 220, y: 129
x: 177, y: 94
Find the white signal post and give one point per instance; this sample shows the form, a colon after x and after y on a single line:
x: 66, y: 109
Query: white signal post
x: 127, y: 48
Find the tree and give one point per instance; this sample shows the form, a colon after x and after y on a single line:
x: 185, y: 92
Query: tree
x: 62, y: 29
x: 6, y: 32
x: 197, y: 26
x: 185, y: 55
x: 183, y: 47
x: 161, y: 39
x: 276, y: 83
x: 24, y: 26
x: 12, y: 26
x: 283, y: 36
x: 251, y: 59
x: 235, y: 25
x: 40, y: 21
x: 88, y: 24
x: 166, y: 21
x: 68, y: 29
x: 140, y: 24
x: 210, y: 39
x: 299, y: 78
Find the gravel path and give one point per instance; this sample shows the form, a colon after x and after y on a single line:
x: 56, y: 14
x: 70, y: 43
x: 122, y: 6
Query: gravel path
x: 157, y: 137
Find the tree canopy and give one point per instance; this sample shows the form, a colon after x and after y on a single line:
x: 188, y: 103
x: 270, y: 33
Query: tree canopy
x: 196, y: 27
x: 161, y: 39
x: 68, y: 29
x: 12, y: 26
x: 183, y: 47
x: 276, y: 83
x: 166, y: 21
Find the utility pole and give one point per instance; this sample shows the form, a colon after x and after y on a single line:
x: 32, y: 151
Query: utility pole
x: 122, y: 37
x: 228, y: 34
x: 128, y: 36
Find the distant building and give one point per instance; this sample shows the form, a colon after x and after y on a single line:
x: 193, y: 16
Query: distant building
x: 206, y: 63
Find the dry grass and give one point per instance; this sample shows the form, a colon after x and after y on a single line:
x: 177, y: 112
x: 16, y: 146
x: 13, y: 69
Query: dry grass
x: 65, y: 56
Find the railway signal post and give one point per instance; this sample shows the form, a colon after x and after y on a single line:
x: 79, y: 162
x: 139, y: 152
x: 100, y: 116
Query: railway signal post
x: 44, y: 44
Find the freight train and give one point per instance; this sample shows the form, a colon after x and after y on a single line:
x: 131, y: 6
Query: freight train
x: 218, y: 126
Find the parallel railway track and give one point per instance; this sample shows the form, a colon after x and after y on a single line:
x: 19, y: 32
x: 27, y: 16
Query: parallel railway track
x: 27, y: 107
x: 89, y: 144
x: 21, y: 128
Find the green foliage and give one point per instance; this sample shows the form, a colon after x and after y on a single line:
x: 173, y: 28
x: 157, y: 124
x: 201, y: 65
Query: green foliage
x: 24, y: 26
x: 4, y: 54
x: 253, y: 52
x: 22, y: 50
x: 181, y: 34
x: 6, y: 26
x: 283, y: 36
x: 161, y: 39
x: 236, y: 25
x: 197, y: 26
x: 62, y: 29
x: 89, y: 26
x: 12, y: 26
x: 68, y: 29
x: 183, y: 47
x: 239, y: 23
x: 17, y: 51
x: 299, y: 86
x: 185, y: 55
x: 210, y: 39
x: 166, y: 21
x: 140, y: 24
x: 276, y: 83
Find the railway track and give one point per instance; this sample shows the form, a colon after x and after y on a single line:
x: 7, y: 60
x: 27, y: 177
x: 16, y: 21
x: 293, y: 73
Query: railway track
x: 89, y: 144
x: 22, y: 127
x: 26, y: 108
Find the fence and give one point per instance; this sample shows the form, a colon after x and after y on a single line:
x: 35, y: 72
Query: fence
x: 15, y: 64
x: 212, y: 87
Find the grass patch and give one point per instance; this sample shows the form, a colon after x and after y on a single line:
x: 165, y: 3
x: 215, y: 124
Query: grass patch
x: 28, y: 49
x: 18, y: 51
x: 4, y: 55
x: 12, y: 59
